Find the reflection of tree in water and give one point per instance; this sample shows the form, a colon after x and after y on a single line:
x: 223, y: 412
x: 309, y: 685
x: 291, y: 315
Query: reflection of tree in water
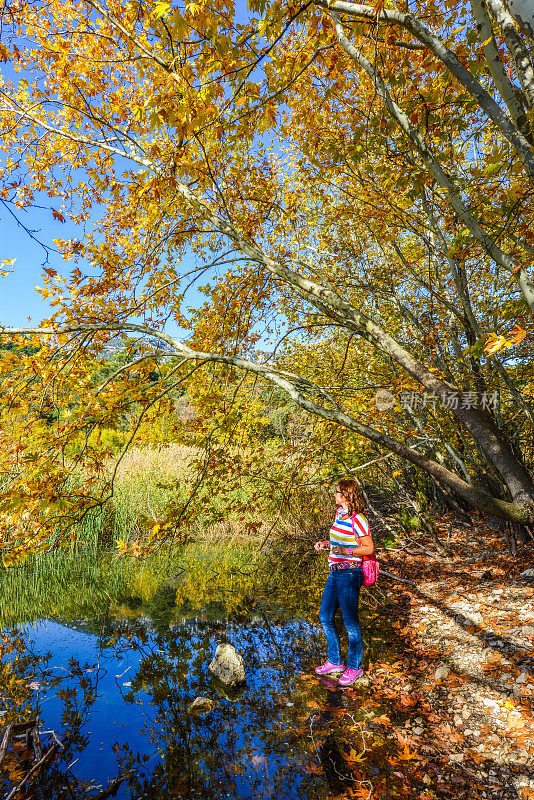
x: 33, y: 759
x: 264, y: 742
x: 244, y: 749
x: 239, y: 750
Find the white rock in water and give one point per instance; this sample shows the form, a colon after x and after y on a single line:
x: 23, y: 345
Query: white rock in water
x: 523, y: 13
x: 228, y: 665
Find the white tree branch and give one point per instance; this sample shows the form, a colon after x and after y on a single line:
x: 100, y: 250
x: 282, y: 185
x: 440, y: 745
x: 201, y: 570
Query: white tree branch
x: 442, y: 179
x: 518, y: 49
x: 486, y: 102
x: 506, y: 89
x: 120, y: 27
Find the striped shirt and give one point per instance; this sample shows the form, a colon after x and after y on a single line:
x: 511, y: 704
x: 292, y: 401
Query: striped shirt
x: 344, y: 533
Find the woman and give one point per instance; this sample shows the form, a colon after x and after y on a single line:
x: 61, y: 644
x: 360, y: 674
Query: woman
x: 349, y: 534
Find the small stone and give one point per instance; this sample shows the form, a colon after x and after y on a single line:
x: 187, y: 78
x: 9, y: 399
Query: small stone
x: 522, y: 678
x: 200, y: 705
x: 442, y: 672
x: 528, y: 574
x: 466, y: 713
x: 456, y: 757
x: 475, y: 617
x: 419, y: 730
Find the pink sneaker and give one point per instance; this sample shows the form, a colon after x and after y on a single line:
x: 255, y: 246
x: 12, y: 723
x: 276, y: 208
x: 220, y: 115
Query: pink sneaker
x: 349, y: 676
x: 328, y: 669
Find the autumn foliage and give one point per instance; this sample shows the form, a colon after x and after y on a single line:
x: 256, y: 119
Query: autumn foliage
x: 351, y: 183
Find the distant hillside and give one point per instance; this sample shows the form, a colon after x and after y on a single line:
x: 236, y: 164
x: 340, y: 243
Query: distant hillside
x: 118, y: 343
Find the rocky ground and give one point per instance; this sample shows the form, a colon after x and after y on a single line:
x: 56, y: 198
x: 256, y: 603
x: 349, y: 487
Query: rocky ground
x: 468, y: 671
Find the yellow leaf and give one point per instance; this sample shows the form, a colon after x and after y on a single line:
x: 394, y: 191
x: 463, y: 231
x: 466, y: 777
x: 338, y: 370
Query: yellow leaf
x: 354, y: 756
x: 161, y: 9
x: 496, y: 343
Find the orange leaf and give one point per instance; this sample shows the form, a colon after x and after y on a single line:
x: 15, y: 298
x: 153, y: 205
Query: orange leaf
x: 406, y: 755
x: 518, y: 334
x: 383, y: 720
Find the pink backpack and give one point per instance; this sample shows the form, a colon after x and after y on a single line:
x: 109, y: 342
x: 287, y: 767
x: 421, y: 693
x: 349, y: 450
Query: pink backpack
x: 370, y: 570
x: 369, y: 565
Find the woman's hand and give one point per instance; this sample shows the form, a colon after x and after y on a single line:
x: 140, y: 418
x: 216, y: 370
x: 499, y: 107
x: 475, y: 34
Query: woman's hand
x: 322, y: 545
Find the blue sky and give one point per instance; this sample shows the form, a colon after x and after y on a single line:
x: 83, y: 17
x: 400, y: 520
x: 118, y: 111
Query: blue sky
x: 18, y: 298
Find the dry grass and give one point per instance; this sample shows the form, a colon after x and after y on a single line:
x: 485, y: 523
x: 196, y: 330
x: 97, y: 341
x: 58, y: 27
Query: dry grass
x: 229, y: 531
x: 165, y: 462
x: 148, y: 478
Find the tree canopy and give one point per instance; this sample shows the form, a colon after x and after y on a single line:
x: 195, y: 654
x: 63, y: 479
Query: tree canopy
x: 353, y: 181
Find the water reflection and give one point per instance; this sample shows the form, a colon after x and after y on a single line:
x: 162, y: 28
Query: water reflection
x: 117, y: 692
x: 116, y: 689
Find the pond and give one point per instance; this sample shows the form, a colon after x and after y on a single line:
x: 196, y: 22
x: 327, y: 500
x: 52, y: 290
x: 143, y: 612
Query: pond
x: 116, y: 689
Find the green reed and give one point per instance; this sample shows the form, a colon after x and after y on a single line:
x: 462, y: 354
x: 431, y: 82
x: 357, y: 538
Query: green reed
x: 84, y: 580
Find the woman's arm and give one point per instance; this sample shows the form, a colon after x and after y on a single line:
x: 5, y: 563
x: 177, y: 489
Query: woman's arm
x: 365, y: 548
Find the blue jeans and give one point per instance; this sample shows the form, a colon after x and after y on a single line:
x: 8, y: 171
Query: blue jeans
x: 342, y: 590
